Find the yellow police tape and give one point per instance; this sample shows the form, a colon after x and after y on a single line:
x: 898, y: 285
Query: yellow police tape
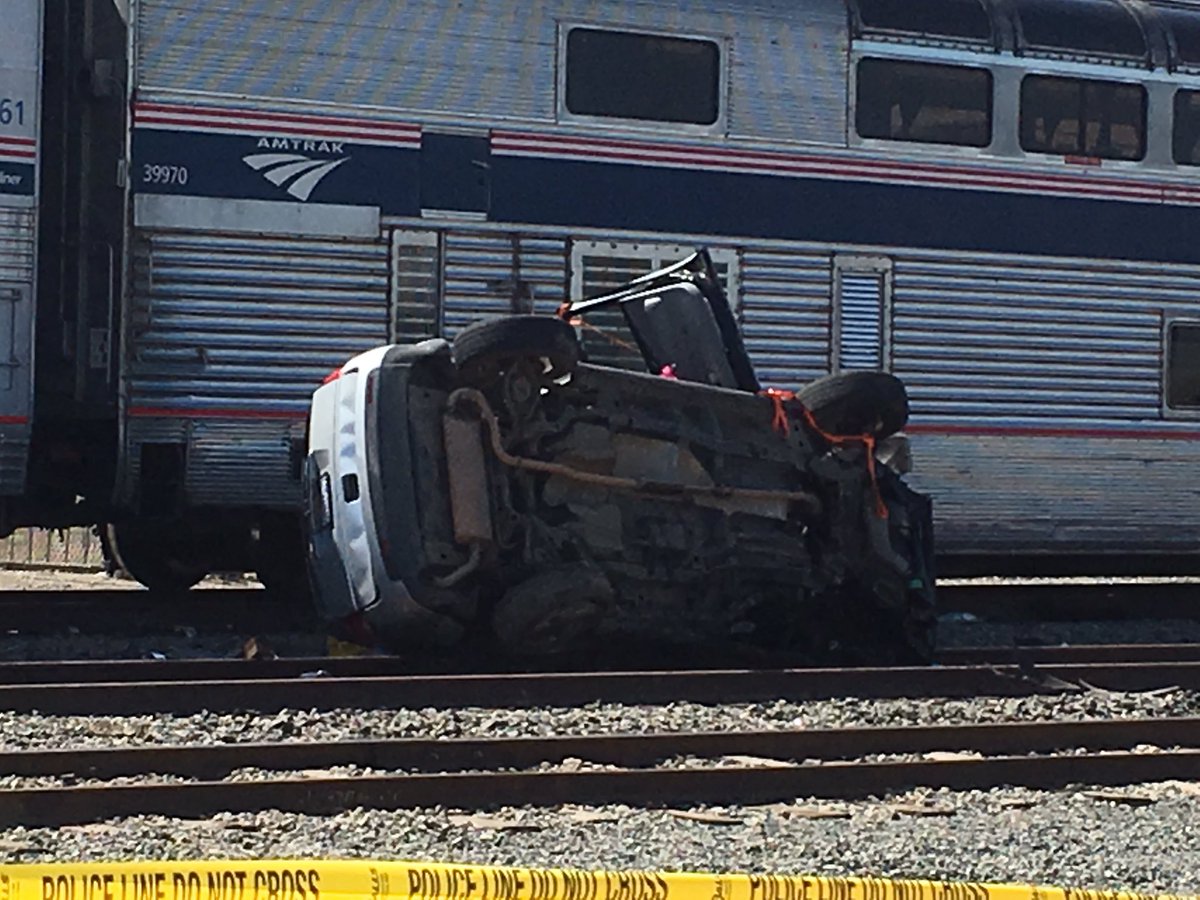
x: 350, y: 880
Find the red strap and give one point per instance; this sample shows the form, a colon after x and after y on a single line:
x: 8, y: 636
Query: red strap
x: 782, y: 423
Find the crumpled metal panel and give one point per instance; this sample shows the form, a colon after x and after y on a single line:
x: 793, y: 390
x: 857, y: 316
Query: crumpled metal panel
x: 489, y: 59
x: 785, y: 314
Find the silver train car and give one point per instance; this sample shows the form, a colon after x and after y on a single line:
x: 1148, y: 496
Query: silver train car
x: 996, y: 201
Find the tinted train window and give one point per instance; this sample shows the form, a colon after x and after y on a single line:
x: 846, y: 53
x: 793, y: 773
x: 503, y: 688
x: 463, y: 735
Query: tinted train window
x: 965, y: 19
x: 1185, y: 137
x: 625, y: 75
x: 1076, y: 117
x: 1106, y: 28
x: 1185, y: 29
x: 1183, y: 366
x: 905, y: 101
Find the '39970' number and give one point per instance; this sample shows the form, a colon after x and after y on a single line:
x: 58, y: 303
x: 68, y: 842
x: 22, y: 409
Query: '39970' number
x: 152, y: 174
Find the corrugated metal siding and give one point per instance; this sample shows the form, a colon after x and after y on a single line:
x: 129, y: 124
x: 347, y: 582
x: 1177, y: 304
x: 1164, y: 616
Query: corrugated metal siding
x: 488, y: 59
x: 478, y: 278
x: 860, y: 304
x: 1010, y: 493
x: 18, y: 244
x: 1021, y: 338
x: 786, y: 313
x: 480, y: 281
x: 241, y: 326
x: 994, y: 344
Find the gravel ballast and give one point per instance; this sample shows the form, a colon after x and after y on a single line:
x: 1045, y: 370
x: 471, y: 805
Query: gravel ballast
x: 1149, y: 842
x: 32, y: 731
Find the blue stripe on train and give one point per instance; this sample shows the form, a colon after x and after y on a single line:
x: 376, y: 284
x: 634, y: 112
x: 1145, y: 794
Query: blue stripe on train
x: 573, y: 193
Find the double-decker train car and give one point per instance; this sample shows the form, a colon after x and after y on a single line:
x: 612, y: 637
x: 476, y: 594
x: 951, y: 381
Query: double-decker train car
x: 996, y: 200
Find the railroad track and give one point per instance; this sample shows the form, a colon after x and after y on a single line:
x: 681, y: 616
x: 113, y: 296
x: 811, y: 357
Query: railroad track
x: 84, y: 672
x: 59, y: 787
x: 135, y: 611
x: 251, y: 609
x: 219, y: 686
x: 654, y: 770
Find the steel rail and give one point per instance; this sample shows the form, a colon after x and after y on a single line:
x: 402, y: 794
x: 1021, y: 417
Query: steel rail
x: 626, y: 750
x: 1067, y: 653
x: 577, y: 688
x: 116, y: 611
x: 652, y: 787
x: 130, y: 671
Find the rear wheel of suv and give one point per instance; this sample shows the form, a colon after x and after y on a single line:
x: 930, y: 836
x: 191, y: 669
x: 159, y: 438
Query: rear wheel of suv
x: 874, y: 403
x: 487, y: 348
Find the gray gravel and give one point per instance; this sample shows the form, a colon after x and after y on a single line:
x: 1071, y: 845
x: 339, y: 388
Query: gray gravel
x: 1151, y: 842
x: 31, y: 731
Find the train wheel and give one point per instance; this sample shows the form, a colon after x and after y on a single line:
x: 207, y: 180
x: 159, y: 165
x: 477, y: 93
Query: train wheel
x: 155, y: 555
x: 280, y: 562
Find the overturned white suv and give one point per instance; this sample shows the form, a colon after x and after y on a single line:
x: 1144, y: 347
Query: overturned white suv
x: 500, y: 490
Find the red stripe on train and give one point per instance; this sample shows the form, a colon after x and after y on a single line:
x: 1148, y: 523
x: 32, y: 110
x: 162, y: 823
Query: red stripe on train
x: 399, y: 128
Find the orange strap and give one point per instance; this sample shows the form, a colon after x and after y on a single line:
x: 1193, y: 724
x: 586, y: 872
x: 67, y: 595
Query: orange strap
x: 781, y: 422
x: 564, y: 312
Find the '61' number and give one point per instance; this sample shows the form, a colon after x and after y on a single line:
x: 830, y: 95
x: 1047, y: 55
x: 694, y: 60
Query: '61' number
x: 12, y: 112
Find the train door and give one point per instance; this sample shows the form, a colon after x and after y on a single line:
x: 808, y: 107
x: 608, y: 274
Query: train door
x: 862, y: 301
x: 20, y: 53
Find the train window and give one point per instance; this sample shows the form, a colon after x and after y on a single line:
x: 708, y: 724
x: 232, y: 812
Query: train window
x: 934, y: 104
x: 600, y: 267
x: 649, y: 77
x: 1106, y: 28
x: 1183, y: 365
x: 1078, y: 117
x: 1185, y: 29
x: 1185, y: 136
x: 962, y: 19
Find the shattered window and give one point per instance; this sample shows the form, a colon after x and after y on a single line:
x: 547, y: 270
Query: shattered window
x: 1075, y: 116
x: 1185, y: 137
x: 627, y: 75
x: 933, y: 104
x: 1183, y: 366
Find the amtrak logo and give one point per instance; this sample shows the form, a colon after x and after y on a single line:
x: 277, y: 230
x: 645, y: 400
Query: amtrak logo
x: 296, y: 173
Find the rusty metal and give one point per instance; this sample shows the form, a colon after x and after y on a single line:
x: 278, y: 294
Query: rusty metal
x: 133, y: 671
x: 806, y: 501
x: 624, y: 750
x: 1070, y: 653
x: 470, y: 509
x: 576, y: 688
x: 52, y: 807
